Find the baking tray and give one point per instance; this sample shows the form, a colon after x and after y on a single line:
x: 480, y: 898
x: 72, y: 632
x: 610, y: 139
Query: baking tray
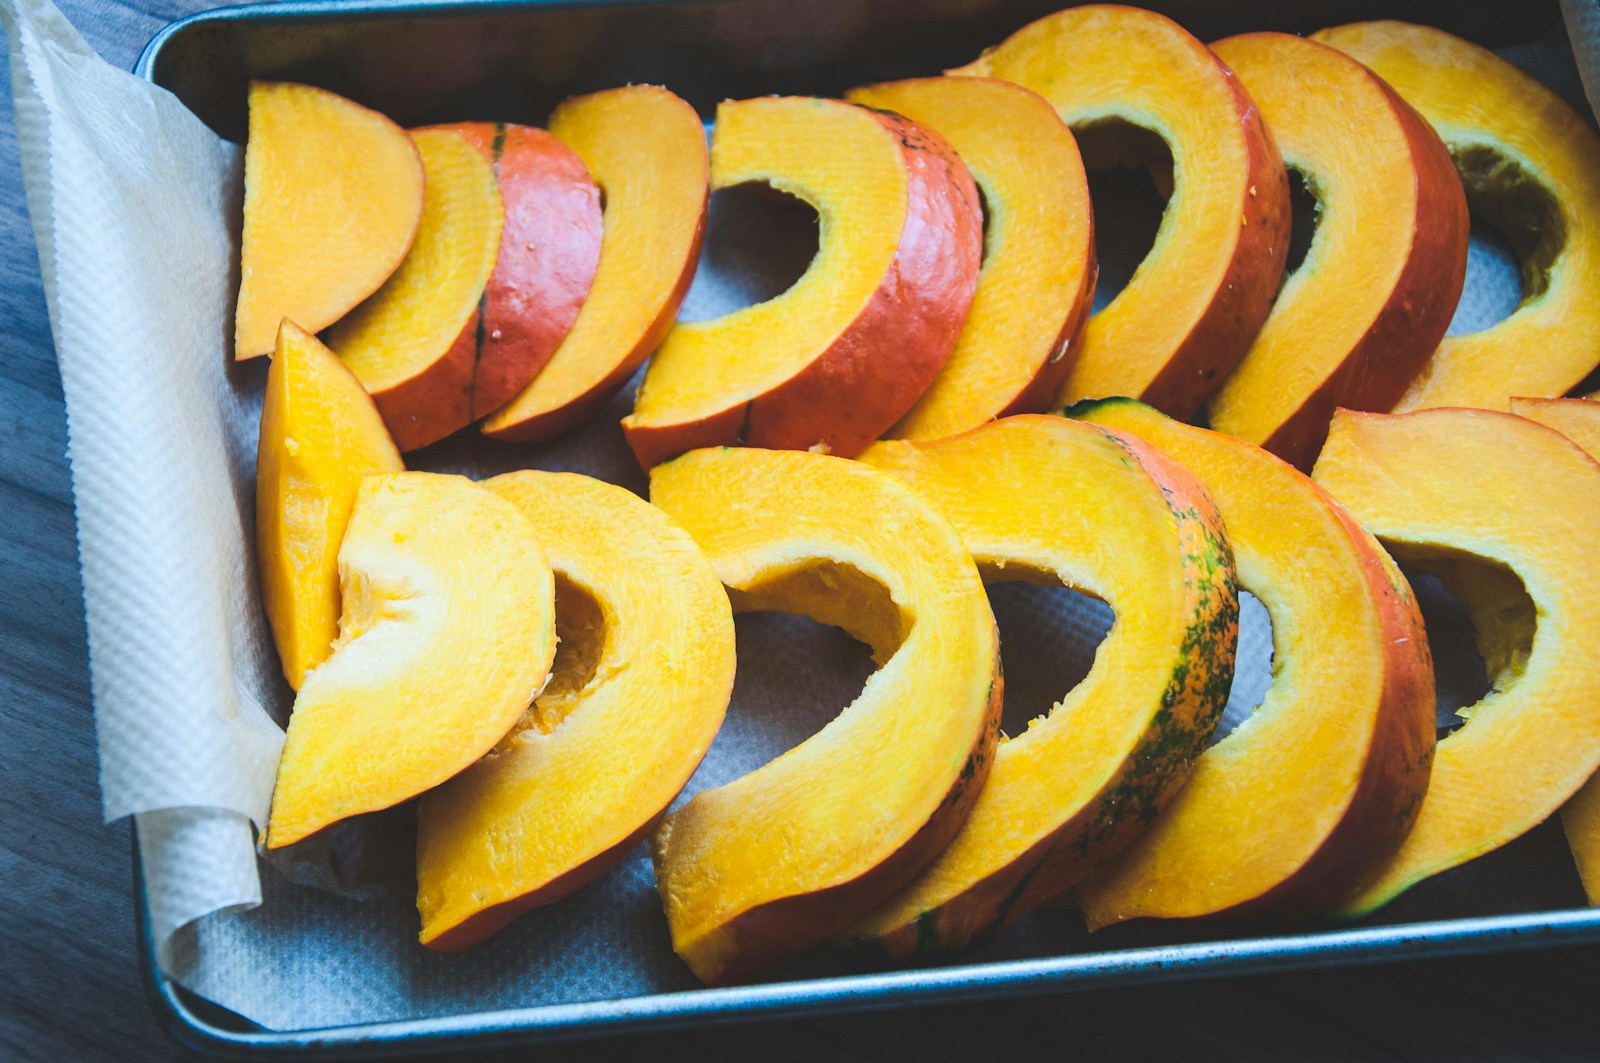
x: 424, y: 62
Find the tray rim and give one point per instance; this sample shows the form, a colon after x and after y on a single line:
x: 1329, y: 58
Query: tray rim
x: 658, y: 1012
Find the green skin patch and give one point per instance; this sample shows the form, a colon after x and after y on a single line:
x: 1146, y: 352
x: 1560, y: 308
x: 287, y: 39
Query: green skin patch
x: 1199, y: 686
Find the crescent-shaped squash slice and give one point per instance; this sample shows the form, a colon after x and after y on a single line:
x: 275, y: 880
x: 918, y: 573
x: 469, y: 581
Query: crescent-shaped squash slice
x: 332, y: 202
x: 1354, y: 324
x: 447, y: 633
x: 1531, y: 165
x: 646, y: 149
x: 784, y: 858
x: 837, y: 359
x: 1447, y: 484
x: 410, y: 343
x: 1303, y: 803
x: 1197, y: 300
x: 320, y: 434
x: 1579, y: 421
x: 549, y: 247
x: 642, y: 676
x: 1049, y: 500
x: 1037, y: 280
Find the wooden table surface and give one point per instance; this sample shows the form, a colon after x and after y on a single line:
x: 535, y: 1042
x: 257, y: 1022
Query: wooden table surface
x: 70, y: 986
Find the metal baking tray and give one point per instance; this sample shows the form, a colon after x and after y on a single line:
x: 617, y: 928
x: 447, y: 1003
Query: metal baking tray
x: 514, y: 59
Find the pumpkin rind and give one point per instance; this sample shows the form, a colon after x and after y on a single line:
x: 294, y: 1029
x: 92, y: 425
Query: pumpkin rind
x: 1032, y: 497
x: 1292, y: 811
x: 1440, y: 484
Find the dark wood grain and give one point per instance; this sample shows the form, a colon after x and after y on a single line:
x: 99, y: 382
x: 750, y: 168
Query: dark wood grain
x: 70, y: 987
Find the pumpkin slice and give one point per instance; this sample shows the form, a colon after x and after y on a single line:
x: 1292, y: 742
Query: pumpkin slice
x: 1531, y: 165
x: 1354, y: 324
x: 1452, y: 483
x: 1302, y: 804
x: 410, y: 343
x: 332, y: 202
x: 447, y: 633
x: 320, y: 434
x: 1037, y: 279
x: 785, y: 857
x: 646, y: 149
x: 1579, y: 421
x: 549, y: 247
x: 1196, y: 302
x: 642, y: 676
x: 1049, y: 500
x: 837, y: 359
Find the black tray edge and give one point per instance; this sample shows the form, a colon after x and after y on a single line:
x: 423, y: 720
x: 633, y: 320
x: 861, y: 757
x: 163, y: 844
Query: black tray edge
x: 966, y: 983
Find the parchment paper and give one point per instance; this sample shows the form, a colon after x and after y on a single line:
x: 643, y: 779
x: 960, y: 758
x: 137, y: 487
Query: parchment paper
x: 134, y: 204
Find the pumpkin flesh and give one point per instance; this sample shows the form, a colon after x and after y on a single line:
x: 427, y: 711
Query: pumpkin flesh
x: 780, y: 860
x: 440, y: 650
x: 835, y: 360
x: 642, y: 675
x: 1306, y: 800
x: 1032, y: 497
x: 1441, y: 485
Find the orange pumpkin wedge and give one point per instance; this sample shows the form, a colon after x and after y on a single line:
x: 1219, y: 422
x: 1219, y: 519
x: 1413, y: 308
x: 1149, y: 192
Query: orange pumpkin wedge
x: 646, y: 149
x: 1197, y: 300
x: 447, y: 633
x: 1579, y: 421
x: 1444, y: 484
x: 320, y: 434
x: 1531, y: 165
x: 410, y: 343
x: 1302, y: 804
x: 1354, y: 324
x: 1049, y: 500
x: 835, y: 361
x: 1038, y: 273
x: 549, y: 247
x: 780, y: 860
x: 642, y: 676
x: 332, y: 201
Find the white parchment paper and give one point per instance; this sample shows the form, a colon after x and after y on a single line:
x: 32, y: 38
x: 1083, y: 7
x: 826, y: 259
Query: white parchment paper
x: 134, y: 204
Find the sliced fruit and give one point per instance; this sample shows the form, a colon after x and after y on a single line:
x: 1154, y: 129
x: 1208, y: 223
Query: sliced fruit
x: 440, y: 650
x: 410, y: 343
x: 785, y: 857
x: 1304, y: 803
x: 1198, y: 299
x: 332, y: 202
x: 1579, y: 421
x: 320, y: 434
x: 641, y: 679
x: 646, y: 149
x: 1048, y: 500
x: 834, y: 361
x: 1037, y: 279
x: 1447, y: 484
x: 549, y: 248
x: 1531, y: 166
x: 1354, y: 324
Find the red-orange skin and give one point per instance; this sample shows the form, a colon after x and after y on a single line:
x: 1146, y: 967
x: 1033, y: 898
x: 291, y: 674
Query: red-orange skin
x: 794, y: 925
x: 549, y: 249
x: 1394, y: 778
x: 1378, y: 370
x: 1219, y: 340
x: 485, y: 924
x: 882, y: 363
x: 554, y: 422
